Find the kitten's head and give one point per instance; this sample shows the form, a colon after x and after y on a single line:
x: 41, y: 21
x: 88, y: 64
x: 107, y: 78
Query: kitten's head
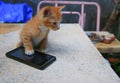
x: 51, y: 17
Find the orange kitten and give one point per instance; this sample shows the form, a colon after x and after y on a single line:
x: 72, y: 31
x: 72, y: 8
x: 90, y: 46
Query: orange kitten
x: 35, y: 31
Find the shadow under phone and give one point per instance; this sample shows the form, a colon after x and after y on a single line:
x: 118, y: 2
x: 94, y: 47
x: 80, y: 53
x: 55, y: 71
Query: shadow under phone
x: 37, y: 60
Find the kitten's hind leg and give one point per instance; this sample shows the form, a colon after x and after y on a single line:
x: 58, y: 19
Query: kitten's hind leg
x: 19, y: 44
x: 43, y: 45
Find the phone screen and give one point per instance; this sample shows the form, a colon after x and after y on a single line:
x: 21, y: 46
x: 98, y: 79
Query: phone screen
x: 37, y: 60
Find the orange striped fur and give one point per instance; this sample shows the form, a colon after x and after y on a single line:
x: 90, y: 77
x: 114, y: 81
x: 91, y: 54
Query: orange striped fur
x: 35, y: 32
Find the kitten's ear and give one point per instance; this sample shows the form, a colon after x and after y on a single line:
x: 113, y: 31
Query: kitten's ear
x: 47, y: 12
x: 61, y: 7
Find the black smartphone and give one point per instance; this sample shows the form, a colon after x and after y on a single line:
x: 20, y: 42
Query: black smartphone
x: 37, y: 60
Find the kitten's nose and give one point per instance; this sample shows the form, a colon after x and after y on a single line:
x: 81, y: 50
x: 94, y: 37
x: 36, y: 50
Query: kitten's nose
x: 54, y: 23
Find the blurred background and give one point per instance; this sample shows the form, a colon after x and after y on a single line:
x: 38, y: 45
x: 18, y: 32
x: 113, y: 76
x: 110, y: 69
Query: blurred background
x: 90, y: 23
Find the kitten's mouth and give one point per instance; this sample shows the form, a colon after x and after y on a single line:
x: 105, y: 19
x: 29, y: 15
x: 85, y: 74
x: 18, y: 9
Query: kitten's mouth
x: 58, y: 28
x: 55, y: 29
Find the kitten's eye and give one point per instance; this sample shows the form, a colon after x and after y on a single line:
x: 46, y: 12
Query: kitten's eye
x: 54, y: 23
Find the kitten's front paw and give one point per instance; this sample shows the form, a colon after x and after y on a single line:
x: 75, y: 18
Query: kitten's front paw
x: 29, y: 52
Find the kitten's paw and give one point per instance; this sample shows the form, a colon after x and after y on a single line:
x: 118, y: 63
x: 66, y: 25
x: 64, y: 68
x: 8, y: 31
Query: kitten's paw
x: 29, y: 52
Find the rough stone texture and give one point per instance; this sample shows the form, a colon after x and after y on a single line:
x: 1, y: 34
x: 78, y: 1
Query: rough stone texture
x: 78, y: 61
